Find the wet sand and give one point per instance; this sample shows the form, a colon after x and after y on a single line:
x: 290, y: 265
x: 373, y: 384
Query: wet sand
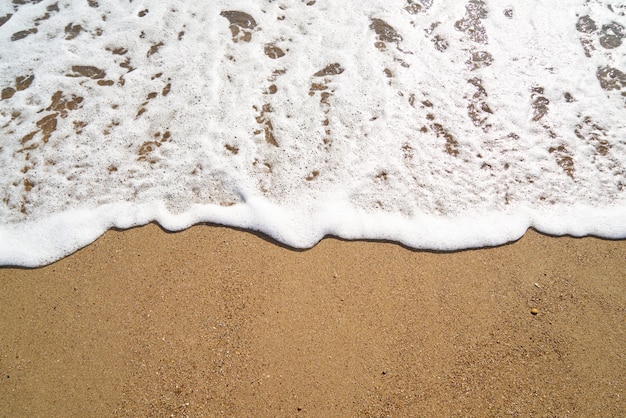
x: 218, y: 322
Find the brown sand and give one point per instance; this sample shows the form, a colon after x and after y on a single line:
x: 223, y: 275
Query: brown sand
x: 213, y: 321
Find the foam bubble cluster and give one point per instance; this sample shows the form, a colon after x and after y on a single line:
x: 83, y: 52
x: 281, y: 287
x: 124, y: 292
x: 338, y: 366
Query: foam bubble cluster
x: 435, y: 123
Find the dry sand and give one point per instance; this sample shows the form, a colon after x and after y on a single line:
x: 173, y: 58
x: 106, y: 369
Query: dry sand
x: 213, y: 321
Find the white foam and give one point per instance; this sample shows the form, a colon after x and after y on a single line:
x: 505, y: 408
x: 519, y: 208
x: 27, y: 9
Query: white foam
x: 438, y: 124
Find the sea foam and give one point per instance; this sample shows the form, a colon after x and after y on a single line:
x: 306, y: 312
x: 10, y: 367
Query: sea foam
x: 438, y: 124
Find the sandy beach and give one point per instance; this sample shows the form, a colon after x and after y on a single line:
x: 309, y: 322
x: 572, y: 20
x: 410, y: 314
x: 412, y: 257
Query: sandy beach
x: 214, y: 321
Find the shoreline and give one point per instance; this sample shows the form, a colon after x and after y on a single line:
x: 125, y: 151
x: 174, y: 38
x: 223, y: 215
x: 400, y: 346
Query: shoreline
x: 218, y: 321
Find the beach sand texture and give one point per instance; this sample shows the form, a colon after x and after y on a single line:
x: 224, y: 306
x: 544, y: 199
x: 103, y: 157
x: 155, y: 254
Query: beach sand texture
x: 213, y: 321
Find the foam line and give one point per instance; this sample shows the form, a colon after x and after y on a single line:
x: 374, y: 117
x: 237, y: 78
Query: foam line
x: 439, y: 124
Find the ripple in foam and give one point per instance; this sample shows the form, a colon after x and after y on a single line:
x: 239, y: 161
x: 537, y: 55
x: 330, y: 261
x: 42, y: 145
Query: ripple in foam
x: 438, y: 124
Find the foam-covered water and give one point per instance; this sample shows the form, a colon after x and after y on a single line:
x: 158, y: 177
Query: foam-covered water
x: 440, y: 124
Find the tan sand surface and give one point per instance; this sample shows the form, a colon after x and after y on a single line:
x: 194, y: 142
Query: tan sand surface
x: 218, y: 322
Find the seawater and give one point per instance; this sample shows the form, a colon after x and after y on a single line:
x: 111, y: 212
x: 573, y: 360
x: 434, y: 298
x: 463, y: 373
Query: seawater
x: 440, y: 124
